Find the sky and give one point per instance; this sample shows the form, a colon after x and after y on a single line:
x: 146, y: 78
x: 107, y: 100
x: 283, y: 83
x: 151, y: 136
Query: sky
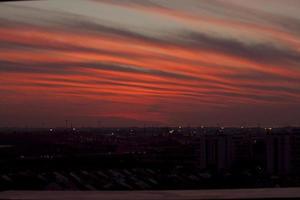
x: 150, y: 63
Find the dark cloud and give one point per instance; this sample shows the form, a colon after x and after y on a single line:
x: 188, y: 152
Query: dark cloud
x: 263, y: 52
x: 178, y: 83
x: 269, y: 53
x: 68, y: 68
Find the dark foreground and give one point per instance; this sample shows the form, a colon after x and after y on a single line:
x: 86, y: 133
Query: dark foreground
x: 161, y: 158
x: 263, y: 193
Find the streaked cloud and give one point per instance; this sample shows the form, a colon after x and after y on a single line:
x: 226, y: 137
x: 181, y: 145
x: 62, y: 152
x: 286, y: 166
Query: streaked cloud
x: 149, y: 62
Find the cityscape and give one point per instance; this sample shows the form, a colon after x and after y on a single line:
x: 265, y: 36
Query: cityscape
x: 149, y: 158
x: 149, y: 99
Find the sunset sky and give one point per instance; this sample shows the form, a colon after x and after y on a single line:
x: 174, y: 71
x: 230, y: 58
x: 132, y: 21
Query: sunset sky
x: 150, y: 62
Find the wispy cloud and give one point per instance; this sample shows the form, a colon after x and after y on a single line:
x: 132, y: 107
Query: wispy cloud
x: 120, y: 59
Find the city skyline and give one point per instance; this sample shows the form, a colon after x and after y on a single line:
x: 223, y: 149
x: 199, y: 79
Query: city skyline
x: 152, y: 62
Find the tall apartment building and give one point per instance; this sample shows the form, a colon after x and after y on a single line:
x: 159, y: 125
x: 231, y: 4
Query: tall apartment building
x: 275, y: 152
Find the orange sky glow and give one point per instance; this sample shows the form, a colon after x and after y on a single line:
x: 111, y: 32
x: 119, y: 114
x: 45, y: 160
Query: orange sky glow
x: 149, y: 63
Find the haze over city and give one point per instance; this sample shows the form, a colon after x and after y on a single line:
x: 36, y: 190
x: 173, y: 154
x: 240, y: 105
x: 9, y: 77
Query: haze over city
x: 152, y: 63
